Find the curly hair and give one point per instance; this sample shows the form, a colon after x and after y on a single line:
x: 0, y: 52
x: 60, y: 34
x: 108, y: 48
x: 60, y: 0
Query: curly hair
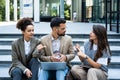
x: 23, y: 23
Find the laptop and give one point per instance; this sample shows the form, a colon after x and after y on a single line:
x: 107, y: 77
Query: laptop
x: 53, y: 65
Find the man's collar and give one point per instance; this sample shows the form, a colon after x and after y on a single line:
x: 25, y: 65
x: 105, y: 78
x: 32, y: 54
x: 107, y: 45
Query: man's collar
x: 52, y: 38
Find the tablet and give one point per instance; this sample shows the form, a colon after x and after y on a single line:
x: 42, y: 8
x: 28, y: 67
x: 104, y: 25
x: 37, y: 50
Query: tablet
x: 53, y: 65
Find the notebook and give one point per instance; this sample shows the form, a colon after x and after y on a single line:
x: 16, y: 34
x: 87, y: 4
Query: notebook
x: 53, y: 65
x: 102, y: 61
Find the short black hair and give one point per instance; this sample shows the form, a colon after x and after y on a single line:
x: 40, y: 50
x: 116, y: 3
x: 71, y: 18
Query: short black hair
x: 55, y: 22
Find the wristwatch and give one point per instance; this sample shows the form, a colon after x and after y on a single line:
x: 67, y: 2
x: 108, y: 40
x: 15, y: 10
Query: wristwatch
x: 86, y: 57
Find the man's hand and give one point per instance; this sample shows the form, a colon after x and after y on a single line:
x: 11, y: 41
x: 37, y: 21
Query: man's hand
x: 63, y: 58
x: 55, y: 58
x: 58, y: 58
x: 28, y: 73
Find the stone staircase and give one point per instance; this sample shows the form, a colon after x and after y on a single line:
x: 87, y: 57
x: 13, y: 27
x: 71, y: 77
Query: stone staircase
x: 5, y: 53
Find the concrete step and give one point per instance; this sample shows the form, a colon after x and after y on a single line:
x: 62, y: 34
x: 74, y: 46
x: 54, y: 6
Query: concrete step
x: 6, y: 60
x: 112, y: 42
x: 113, y: 74
x: 6, y: 49
x: 17, y: 35
x: 115, y: 61
x: 73, y: 35
x: 7, y: 41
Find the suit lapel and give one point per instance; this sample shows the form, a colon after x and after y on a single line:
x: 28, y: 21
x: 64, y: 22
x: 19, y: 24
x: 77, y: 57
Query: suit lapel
x: 50, y: 44
x: 61, y: 44
x: 22, y: 49
x: 32, y: 46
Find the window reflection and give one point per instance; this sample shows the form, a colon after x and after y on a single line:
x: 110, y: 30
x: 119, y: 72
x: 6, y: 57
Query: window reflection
x: 49, y: 8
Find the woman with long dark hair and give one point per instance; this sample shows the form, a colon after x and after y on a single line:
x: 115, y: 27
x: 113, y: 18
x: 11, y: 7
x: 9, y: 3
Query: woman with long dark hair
x: 95, y: 57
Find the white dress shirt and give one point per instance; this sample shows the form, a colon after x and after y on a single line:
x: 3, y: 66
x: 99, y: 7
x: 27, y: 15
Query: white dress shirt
x: 55, y: 44
x: 27, y: 50
x: 27, y: 47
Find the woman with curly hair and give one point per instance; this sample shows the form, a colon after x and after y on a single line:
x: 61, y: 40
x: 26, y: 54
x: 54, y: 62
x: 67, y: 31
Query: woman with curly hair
x: 23, y: 65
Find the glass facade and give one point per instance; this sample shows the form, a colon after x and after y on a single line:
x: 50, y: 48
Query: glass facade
x: 96, y: 11
x: 89, y: 4
x: 49, y: 7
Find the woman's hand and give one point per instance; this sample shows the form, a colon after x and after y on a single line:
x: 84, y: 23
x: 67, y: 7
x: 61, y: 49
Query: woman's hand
x: 40, y: 46
x: 77, y: 46
x: 81, y: 54
x: 28, y: 73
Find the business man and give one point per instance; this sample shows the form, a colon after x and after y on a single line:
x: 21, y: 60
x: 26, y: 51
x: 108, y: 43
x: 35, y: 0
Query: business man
x: 56, y: 44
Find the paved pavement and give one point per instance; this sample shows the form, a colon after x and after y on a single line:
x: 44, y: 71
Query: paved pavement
x: 44, y: 27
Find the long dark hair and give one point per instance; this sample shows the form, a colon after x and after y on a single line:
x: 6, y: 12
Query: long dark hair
x: 102, y: 44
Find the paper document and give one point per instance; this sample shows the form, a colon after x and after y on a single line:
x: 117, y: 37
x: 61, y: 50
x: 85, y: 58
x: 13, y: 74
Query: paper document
x: 102, y: 61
